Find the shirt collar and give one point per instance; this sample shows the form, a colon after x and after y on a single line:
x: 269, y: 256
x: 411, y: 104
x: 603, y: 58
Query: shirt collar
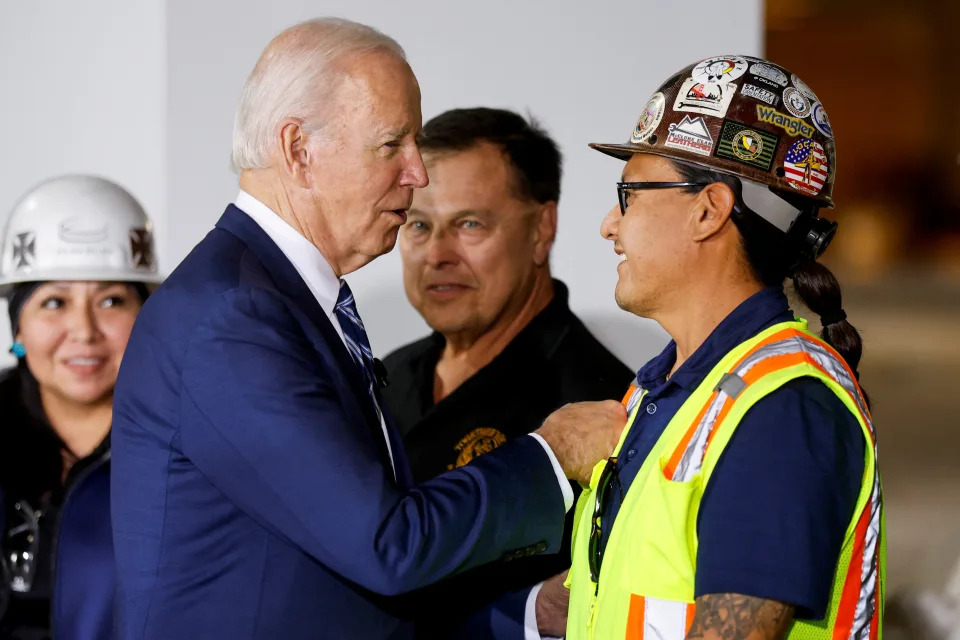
x: 761, y: 310
x: 305, y: 257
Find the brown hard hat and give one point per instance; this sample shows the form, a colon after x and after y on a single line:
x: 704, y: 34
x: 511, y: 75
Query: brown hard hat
x: 744, y: 116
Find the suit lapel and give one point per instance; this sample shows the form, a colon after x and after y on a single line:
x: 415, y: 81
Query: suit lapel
x: 287, y: 280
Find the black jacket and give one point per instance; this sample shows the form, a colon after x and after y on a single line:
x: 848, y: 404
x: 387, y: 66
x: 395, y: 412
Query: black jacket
x: 32, y: 503
x: 553, y: 361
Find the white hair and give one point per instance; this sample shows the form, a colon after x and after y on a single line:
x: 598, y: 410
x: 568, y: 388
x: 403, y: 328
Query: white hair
x: 295, y: 76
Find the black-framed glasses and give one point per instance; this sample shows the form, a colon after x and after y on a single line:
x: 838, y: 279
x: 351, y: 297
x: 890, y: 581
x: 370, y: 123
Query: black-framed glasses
x: 623, y: 187
x: 608, y: 476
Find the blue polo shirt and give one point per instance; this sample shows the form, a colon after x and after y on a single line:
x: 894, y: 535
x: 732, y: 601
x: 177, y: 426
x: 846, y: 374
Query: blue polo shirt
x: 773, y: 516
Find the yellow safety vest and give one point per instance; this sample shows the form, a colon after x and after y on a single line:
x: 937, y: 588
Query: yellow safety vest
x: 646, y: 581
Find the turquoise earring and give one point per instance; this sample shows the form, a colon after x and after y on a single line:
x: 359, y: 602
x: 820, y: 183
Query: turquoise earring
x: 18, y: 349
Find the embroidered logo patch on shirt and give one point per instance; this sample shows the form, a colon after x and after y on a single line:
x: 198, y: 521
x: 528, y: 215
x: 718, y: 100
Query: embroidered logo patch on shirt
x: 476, y: 443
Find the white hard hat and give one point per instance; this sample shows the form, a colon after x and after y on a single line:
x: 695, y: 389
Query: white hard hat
x: 77, y: 228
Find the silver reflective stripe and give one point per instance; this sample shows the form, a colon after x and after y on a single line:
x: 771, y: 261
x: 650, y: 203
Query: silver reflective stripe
x: 869, y: 569
x: 664, y: 619
x: 692, y: 459
x: 634, y: 397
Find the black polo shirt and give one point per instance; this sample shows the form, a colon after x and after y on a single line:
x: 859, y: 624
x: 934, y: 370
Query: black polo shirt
x: 553, y: 361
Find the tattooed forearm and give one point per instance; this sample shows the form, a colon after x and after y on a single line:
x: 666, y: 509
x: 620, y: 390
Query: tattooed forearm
x: 731, y: 616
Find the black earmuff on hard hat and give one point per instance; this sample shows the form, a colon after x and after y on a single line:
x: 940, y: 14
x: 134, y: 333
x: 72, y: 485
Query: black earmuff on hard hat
x: 811, y: 234
x: 807, y: 237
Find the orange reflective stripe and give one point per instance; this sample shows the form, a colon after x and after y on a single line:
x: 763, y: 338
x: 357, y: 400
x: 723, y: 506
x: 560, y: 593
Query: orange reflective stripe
x: 771, y: 364
x: 691, y: 611
x: 776, y: 337
x: 671, y: 467
x: 847, y: 610
x: 727, y: 405
x: 762, y: 368
x: 635, y: 618
x: 813, y: 361
x: 775, y: 363
x: 843, y: 363
x: 846, y: 367
x: 626, y: 397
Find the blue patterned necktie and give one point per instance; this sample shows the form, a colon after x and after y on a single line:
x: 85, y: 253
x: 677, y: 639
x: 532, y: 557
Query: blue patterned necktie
x: 355, y: 336
x: 353, y: 332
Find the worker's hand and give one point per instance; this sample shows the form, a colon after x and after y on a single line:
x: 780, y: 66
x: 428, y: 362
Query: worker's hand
x: 552, y: 602
x: 582, y: 434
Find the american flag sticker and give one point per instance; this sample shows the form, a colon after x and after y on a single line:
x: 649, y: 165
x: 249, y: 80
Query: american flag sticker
x: 747, y: 145
x: 806, y: 167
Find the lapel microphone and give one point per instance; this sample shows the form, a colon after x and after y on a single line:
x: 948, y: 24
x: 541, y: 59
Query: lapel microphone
x: 380, y: 374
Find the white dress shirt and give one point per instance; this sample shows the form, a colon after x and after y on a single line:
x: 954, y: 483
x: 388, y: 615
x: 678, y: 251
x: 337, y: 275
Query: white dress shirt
x: 310, y: 264
x: 325, y: 287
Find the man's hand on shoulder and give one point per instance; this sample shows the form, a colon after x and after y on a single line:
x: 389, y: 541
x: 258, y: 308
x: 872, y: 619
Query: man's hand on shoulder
x: 582, y: 434
x: 732, y: 616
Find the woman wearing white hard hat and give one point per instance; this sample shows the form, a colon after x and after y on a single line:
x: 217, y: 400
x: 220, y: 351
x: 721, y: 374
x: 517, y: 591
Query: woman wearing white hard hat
x: 76, y: 259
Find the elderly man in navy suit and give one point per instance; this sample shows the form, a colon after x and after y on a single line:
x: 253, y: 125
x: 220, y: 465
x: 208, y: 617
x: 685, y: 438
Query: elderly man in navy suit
x: 259, y: 489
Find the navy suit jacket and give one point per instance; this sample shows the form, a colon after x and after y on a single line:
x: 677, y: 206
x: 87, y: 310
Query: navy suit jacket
x: 251, y: 490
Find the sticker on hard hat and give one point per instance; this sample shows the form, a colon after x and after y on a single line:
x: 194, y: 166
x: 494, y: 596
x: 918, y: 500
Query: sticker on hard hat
x: 709, y: 99
x: 759, y: 93
x: 820, y: 120
x: 24, y: 249
x: 79, y: 230
x: 796, y: 103
x: 804, y: 89
x: 769, y: 75
x: 719, y: 70
x: 141, y: 253
x: 806, y: 167
x: 690, y: 135
x: 793, y: 126
x: 649, y: 119
x: 748, y: 146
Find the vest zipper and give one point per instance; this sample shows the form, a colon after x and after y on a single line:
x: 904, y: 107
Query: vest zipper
x: 596, y: 587
x: 593, y: 616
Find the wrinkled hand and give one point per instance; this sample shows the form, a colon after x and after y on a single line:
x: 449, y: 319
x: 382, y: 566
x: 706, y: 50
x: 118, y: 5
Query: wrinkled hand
x: 552, y: 602
x: 582, y: 434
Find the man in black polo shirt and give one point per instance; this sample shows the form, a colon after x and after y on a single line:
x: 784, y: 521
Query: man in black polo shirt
x: 506, y: 349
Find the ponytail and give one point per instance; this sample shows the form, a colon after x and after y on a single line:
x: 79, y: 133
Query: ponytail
x: 819, y: 290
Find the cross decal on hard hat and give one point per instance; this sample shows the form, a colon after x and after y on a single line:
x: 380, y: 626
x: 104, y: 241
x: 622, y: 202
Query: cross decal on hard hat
x: 24, y: 249
x: 140, y: 250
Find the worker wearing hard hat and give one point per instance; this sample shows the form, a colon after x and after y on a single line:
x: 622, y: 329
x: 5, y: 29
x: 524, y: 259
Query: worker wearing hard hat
x: 75, y: 262
x: 743, y: 500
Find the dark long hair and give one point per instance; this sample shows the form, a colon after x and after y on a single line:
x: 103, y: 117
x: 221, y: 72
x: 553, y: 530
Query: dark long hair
x: 773, y: 258
x: 30, y: 459
x: 26, y: 427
